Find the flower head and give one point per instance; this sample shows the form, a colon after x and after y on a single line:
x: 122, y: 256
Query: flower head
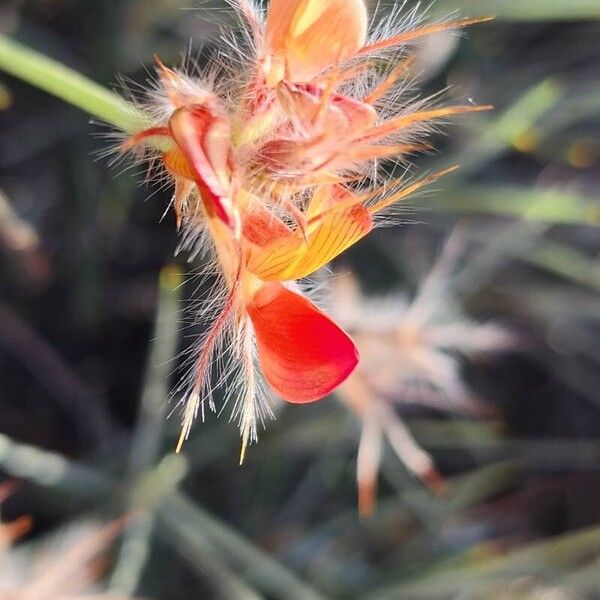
x: 411, y: 353
x: 277, y: 162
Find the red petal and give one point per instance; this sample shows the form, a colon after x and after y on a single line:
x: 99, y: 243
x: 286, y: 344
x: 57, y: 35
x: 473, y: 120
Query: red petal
x: 204, y: 139
x: 303, y: 354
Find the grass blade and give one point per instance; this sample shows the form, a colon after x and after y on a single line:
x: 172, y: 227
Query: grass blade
x: 74, y: 88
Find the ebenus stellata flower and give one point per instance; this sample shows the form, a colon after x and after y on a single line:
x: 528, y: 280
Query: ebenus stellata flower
x: 276, y: 157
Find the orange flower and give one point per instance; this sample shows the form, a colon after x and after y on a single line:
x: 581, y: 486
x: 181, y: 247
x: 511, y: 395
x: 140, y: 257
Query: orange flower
x: 306, y: 37
x: 277, y: 163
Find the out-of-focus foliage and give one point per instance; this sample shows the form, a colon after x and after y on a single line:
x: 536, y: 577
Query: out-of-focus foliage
x: 90, y: 333
x: 66, y: 564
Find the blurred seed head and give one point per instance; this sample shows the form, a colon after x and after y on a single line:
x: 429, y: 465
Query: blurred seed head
x: 412, y: 352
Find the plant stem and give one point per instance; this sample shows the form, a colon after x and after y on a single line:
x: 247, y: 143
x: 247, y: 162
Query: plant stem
x: 68, y: 85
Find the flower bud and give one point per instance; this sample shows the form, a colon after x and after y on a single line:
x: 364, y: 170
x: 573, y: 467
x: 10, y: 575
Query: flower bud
x: 306, y: 37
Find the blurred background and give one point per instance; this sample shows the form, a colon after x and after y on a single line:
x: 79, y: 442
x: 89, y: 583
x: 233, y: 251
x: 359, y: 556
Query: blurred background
x: 478, y: 321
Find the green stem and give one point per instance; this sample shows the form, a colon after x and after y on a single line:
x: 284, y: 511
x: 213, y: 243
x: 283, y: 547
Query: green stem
x: 69, y: 85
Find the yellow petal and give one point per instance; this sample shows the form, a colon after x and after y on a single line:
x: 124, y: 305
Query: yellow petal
x: 305, y: 37
x: 295, y: 257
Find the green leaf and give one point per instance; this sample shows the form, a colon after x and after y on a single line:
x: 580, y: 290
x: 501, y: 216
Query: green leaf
x: 484, y: 572
x: 545, y: 205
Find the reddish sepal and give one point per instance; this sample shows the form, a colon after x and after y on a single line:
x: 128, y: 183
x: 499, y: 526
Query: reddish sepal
x: 204, y: 140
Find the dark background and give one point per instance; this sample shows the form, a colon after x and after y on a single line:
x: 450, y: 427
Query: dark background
x: 87, y: 264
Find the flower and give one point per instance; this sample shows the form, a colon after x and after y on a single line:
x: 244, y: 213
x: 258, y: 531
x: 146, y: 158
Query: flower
x: 411, y: 353
x: 276, y: 161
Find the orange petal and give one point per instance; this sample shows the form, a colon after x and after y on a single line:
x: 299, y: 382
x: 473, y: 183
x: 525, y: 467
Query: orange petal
x: 306, y: 37
x: 303, y: 354
x: 204, y: 141
x: 295, y: 257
